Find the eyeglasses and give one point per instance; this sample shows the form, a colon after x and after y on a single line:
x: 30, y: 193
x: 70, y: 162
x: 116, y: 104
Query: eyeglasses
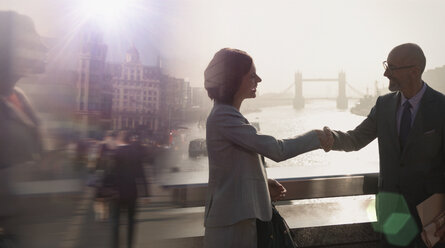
x: 394, y: 68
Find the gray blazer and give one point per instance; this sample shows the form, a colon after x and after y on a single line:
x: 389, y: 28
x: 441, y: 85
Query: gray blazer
x: 417, y: 171
x: 237, y: 188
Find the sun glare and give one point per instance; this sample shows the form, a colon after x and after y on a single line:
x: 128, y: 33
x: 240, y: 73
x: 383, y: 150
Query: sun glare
x: 105, y: 12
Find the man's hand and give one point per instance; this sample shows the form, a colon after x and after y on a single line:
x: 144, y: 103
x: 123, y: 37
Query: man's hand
x: 276, y: 190
x: 326, y: 138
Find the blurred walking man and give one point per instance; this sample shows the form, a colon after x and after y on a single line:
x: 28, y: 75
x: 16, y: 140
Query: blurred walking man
x: 21, y: 54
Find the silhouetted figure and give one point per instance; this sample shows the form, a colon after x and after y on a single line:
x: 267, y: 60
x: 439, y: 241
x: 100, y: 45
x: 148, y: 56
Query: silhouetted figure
x: 239, y: 191
x: 21, y: 54
x: 409, y: 124
x: 104, y: 165
x: 81, y: 153
x: 130, y: 182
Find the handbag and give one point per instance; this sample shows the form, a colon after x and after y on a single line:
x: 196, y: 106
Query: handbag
x: 274, y: 233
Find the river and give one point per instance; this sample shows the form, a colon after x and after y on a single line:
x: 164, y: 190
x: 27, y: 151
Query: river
x: 284, y: 122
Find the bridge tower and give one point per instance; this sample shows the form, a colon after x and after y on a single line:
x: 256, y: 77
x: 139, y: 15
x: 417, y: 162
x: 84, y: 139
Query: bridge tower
x: 298, y: 99
x: 342, y: 100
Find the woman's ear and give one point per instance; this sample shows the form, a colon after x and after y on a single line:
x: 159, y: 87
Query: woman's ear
x: 221, y: 92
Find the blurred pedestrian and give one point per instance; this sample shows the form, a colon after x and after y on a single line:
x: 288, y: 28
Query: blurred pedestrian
x: 81, y: 153
x: 21, y: 54
x: 129, y: 181
x: 103, y: 167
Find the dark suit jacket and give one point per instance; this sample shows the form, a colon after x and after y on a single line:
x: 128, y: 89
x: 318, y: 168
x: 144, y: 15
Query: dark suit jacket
x: 128, y: 172
x: 20, y: 139
x: 417, y: 171
x: 19, y: 142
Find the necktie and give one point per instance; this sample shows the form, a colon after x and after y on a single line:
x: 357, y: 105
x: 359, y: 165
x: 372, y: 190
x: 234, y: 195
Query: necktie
x: 405, y: 124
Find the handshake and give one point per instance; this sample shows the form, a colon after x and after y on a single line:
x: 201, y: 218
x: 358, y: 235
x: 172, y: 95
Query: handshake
x: 326, y: 138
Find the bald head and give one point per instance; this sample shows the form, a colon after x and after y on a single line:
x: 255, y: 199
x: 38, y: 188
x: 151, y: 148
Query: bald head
x: 21, y: 50
x: 409, y: 54
x: 404, y: 69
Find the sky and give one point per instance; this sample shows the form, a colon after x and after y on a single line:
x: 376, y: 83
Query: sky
x: 318, y: 38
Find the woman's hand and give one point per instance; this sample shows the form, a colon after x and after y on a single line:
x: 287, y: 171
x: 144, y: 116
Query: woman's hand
x: 276, y: 190
x: 326, y: 138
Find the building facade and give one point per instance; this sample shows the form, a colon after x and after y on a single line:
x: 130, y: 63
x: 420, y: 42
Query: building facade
x: 200, y: 98
x: 175, y: 100
x: 136, y: 94
x: 127, y: 95
x: 93, y: 99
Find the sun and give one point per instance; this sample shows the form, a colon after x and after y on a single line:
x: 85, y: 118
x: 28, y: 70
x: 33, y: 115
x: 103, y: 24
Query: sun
x: 105, y: 12
x: 102, y: 8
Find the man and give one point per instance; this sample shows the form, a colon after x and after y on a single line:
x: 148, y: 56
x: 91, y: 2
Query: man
x: 21, y: 54
x: 410, y: 126
x: 128, y: 178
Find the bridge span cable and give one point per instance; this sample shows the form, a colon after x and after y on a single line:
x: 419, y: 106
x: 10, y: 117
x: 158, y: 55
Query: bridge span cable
x: 356, y: 90
x: 288, y: 88
x: 350, y: 86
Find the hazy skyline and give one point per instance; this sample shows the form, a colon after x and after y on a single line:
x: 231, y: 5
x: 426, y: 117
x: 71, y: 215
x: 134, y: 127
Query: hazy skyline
x: 319, y: 38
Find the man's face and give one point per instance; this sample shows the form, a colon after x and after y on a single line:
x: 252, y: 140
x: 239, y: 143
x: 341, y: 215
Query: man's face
x: 399, y: 71
x: 21, y: 51
x: 28, y: 54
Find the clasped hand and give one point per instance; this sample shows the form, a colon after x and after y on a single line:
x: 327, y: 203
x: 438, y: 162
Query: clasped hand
x: 326, y: 138
x: 276, y: 190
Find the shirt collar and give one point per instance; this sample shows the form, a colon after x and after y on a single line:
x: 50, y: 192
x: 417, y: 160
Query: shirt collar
x: 415, y: 100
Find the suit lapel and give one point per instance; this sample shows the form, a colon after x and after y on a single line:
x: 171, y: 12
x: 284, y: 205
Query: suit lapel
x: 18, y: 114
x: 391, y: 114
x: 416, y: 130
x: 426, y: 104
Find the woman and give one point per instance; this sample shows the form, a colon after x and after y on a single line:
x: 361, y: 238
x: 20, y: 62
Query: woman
x: 238, y: 189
